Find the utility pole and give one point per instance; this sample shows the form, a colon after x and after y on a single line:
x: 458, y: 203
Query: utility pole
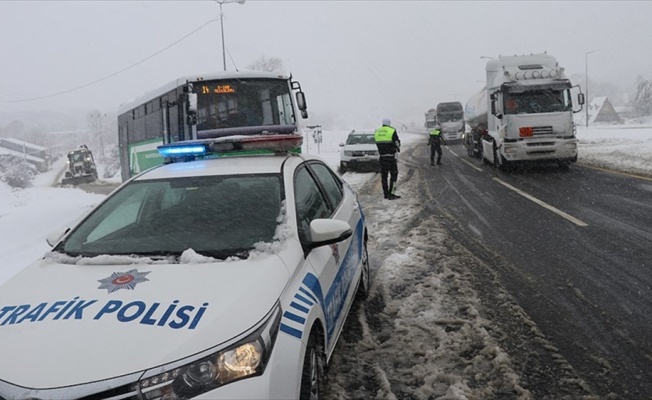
x: 586, y: 73
x: 220, y: 2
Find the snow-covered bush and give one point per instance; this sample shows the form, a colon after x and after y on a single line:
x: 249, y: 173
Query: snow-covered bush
x: 16, y: 172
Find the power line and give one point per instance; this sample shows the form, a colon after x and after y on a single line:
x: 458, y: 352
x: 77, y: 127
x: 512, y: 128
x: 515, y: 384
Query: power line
x: 111, y: 75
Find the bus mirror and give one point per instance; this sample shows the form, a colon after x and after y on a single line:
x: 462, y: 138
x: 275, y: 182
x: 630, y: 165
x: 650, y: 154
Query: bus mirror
x: 192, y: 103
x: 301, y: 101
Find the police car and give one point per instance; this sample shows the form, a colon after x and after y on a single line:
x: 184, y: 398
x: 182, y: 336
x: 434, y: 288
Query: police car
x: 216, y: 275
x: 359, y: 152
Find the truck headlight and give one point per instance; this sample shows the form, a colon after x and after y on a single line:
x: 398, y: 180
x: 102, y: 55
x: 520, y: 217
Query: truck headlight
x: 245, y: 359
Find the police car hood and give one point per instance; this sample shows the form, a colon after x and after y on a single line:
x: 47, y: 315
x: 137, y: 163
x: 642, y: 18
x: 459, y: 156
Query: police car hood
x: 361, y: 147
x: 67, y: 324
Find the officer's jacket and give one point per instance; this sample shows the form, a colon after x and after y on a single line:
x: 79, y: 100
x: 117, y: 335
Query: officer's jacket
x: 387, y: 140
x: 435, y: 138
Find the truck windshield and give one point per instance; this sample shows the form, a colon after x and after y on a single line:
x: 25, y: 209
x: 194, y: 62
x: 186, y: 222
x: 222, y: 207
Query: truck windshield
x: 216, y: 216
x: 243, y: 103
x: 537, y: 101
x: 451, y: 117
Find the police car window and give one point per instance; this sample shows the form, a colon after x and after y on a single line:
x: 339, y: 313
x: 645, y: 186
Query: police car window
x: 213, y: 215
x: 332, y: 185
x: 310, y: 202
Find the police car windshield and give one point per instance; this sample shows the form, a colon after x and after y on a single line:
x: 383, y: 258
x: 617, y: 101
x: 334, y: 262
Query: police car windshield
x: 216, y: 216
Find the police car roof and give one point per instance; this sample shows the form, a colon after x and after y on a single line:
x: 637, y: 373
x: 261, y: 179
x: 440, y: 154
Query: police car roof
x: 229, y: 165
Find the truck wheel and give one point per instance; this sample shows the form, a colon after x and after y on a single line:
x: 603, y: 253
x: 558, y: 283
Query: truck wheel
x: 342, y: 168
x: 469, y: 148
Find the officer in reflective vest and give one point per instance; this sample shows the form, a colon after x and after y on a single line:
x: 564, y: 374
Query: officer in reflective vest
x: 388, y: 145
x: 435, y: 140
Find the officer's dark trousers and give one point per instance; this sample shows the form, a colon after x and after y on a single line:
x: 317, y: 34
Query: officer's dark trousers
x: 435, y: 149
x: 388, y: 169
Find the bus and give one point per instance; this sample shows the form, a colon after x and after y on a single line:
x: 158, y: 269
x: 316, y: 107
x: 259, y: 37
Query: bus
x: 206, y: 106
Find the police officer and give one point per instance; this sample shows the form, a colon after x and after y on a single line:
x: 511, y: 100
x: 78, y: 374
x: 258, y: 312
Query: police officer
x: 435, y: 140
x: 388, y: 145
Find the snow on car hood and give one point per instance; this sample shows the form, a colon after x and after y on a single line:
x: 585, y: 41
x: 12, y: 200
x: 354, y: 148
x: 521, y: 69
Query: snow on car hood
x: 67, y: 324
x: 361, y: 147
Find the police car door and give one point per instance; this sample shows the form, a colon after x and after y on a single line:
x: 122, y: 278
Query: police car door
x: 320, y: 194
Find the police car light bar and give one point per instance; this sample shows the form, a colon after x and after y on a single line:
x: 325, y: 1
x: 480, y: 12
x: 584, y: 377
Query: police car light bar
x: 182, y: 150
x: 237, y: 144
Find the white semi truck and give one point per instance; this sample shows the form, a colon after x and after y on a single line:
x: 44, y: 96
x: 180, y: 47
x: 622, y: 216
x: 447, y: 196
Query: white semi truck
x: 524, y: 113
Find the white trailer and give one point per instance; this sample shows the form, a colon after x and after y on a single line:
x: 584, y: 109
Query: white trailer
x: 525, y: 113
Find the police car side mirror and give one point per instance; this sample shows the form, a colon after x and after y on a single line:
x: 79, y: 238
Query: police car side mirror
x: 328, y: 231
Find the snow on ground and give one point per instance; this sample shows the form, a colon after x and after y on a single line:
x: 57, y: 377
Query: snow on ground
x: 625, y: 148
x: 443, y: 308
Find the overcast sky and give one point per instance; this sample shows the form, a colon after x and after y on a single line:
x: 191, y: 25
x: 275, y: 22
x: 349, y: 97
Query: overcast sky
x: 357, y: 61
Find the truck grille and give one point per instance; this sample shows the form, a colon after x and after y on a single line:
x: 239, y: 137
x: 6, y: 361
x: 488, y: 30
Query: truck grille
x: 542, y: 130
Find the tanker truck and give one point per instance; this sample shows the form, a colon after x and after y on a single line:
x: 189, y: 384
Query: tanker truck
x: 524, y: 113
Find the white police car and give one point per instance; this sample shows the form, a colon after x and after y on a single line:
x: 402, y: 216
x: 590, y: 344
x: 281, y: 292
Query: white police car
x: 359, y: 152
x: 225, y: 277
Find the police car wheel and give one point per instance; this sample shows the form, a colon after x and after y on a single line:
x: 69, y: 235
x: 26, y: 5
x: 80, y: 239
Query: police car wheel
x: 363, y: 286
x: 313, y: 370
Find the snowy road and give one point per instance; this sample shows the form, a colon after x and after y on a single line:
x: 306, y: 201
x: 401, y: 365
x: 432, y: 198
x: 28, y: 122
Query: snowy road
x: 543, y: 313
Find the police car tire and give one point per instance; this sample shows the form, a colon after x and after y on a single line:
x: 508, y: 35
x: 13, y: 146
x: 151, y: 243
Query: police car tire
x: 364, y: 284
x: 312, y: 374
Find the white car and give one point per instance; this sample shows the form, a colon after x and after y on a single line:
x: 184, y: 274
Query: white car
x: 215, y: 277
x: 359, y: 152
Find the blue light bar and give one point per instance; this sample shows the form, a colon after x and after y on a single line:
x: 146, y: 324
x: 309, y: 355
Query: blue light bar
x: 182, y: 150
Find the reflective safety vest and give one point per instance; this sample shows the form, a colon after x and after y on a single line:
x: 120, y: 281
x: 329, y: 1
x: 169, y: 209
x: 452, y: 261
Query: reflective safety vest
x: 384, y: 134
x: 435, y: 132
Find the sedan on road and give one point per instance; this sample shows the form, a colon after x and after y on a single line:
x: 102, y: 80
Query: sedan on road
x: 225, y: 273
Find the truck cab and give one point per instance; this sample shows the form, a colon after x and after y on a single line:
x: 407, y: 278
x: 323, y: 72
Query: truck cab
x: 531, y: 112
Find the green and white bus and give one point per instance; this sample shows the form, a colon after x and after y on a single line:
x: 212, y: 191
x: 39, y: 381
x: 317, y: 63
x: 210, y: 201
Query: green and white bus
x: 206, y: 106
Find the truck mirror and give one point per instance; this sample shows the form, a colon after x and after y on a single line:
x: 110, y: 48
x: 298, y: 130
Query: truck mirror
x: 301, y: 102
x: 192, y: 103
x: 304, y: 114
x: 580, y: 98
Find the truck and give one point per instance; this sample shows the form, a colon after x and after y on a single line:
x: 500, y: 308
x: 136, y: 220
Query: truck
x: 450, y: 118
x: 431, y: 119
x: 81, y: 167
x: 524, y: 113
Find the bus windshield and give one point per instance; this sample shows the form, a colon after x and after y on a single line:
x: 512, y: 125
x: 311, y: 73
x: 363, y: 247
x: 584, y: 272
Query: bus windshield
x: 237, y: 103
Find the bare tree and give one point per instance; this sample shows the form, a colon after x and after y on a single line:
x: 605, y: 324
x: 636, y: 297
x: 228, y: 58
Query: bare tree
x: 271, y: 64
x: 643, y: 99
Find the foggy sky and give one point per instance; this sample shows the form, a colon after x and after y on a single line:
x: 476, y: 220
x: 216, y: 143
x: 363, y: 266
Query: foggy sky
x: 357, y: 61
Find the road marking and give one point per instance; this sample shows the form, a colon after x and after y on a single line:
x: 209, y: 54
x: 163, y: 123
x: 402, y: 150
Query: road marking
x: 542, y: 204
x: 464, y: 160
x: 471, y: 165
x: 616, y: 172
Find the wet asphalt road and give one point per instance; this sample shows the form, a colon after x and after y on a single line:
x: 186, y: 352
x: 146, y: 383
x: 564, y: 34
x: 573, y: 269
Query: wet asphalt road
x: 573, y: 247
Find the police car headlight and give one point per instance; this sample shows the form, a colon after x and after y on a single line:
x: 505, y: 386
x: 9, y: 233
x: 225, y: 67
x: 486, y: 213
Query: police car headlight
x: 247, y: 358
